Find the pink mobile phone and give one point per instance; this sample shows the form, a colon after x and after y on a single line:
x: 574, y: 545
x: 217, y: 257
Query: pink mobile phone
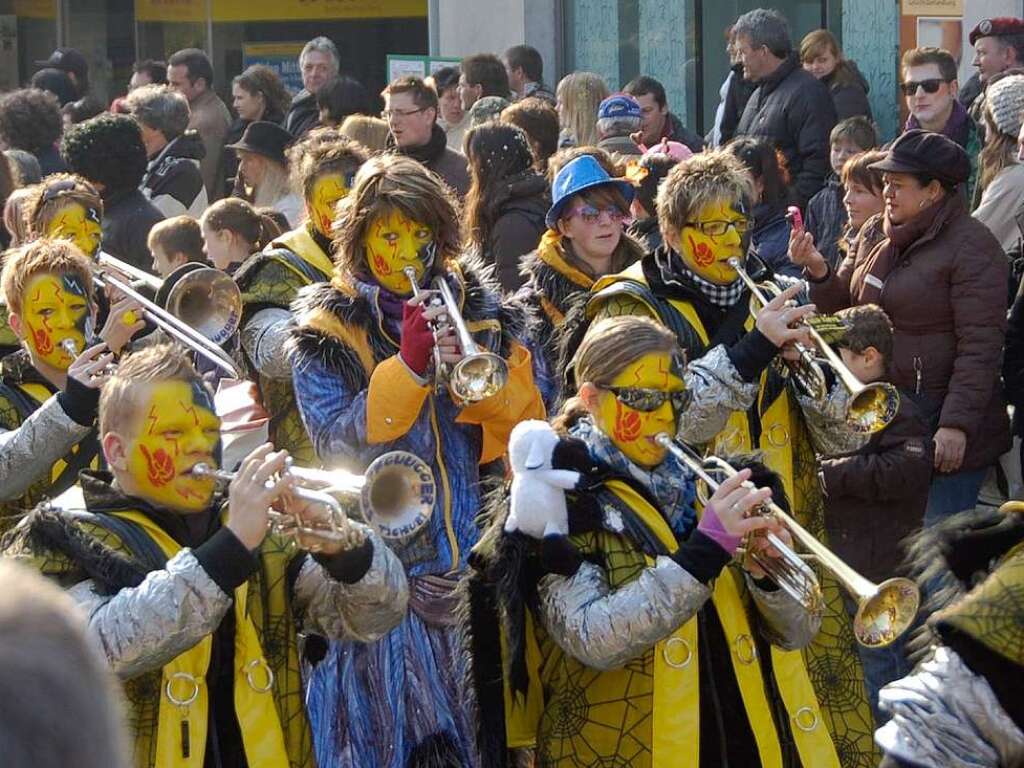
x: 795, y: 218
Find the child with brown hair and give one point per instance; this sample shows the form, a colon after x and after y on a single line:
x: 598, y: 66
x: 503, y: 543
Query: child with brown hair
x: 174, y: 242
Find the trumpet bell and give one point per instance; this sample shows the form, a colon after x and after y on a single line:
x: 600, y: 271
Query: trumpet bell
x: 882, y: 617
x: 398, y: 495
x: 873, y: 408
x: 478, y: 376
x: 209, y: 301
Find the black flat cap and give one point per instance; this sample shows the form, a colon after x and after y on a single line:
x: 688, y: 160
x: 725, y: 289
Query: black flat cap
x: 929, y: 153
x: 264, y: 138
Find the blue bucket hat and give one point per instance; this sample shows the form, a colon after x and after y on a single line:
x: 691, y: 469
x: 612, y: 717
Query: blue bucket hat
x: 581, y: 174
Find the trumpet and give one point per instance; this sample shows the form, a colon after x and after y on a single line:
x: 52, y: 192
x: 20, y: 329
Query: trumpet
x: 479, y: 374
x: 884, y: 611
x: 395, y: 497
x: 870, y: 407
x: 210, y: 302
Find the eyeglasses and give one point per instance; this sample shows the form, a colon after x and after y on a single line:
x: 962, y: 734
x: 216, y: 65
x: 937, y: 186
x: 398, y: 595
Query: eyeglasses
x: 647, y: 400
x: 931, y: 85
x: 719, y: 228
x: 591, y: 214
x: 389, y: 113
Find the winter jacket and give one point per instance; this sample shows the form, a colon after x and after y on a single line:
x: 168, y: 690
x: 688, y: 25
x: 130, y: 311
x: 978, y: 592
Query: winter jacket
x: 875, y: 497
x: 442, y: 160
x: 173, y: 182
x: 620, y: 147
x: 946, y: 298
x: 1013, y: 363
x: 50, y: 161
x: 850, y: 98
x: 674, y: 130
x: 961, y: 128
x: 517, y: 210
x: 1001, y: 208
x: 303, y: 115
x: 127, y: 218
x: 794, y: 111
x: 769, y: 238
x: 826, y: 220
x: 736, y: 97
x: 210, y: 119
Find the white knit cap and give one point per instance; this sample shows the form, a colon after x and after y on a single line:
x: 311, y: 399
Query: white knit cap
x: 1005, y: 99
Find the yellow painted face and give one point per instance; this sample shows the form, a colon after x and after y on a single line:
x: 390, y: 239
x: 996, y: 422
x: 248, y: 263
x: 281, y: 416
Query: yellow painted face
x: 78, y: 224
x: 177, y: 429
x: 632, y: 430
x: 55, y: 309
x: 327, y: 191
x: 393, y: 243
x: 708, y: 255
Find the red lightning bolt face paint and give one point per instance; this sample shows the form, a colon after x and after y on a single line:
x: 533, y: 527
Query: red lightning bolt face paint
x: 327, y: 191
x: 394, y: 242
x: 708, y: 256
x: 177, y: 429
x: 78, y: 224
x: 55, y: 308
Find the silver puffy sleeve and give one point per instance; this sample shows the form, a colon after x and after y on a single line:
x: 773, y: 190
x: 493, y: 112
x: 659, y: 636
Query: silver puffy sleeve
x: 363, y: 611
x: 263, y: 339
x: 605, y: 629
x: 945, y: 716
x: 142, y: 628
x: 784, y: 622
x: 826, y: 421
x: 30, y: 451
x: 716, y: 391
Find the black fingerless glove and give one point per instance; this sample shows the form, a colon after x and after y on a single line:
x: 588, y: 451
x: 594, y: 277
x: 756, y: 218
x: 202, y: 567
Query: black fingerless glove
x: 79, y: 402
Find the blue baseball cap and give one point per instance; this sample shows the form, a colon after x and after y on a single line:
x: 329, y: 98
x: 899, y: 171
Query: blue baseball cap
x: 619, y: 105
x: 581, y: 174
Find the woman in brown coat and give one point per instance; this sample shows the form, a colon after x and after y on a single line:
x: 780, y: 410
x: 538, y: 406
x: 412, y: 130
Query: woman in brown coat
x: 941, y: 277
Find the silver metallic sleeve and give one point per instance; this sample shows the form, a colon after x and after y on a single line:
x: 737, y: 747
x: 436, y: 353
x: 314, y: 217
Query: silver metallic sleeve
x: 364, y: 611
x: 30, y: 451
x: 945, y: 716
x: 605, y: 629
x: 784, y: 622
x: 142, y: 628
x: 716, y: 391
x: 263, y: 339
x: 826, y: 421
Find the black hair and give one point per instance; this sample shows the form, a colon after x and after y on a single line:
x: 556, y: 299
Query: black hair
x: 83, y: 109
x: 155, y: 69
x: 643, y: 85
x: 107, y: 149
x: 57, y: 82
x: 30, y: 119
x: 496, y: 152
x: 445, y: 78
x: 528, y: 59
x: 196, y: 62
x: 343, y: 96
x: 486, y: 70
x: 764, y: 164
x: 657, y: 167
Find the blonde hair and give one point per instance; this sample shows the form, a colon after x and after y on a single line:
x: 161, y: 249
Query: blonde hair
x: 119, y: 398
x: 580, y: 94
x: 40, y: 257
x: 607, y: 349
x: 15, y: 219
x: 371, y: 132
x: 697, y: 182
x: 274, y: 185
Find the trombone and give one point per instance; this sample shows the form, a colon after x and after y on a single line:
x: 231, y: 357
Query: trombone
x: 870, y: 408
x: 395, y: 497
x: 210, y: 301
x: 479, y: 374
x: 884, y: 611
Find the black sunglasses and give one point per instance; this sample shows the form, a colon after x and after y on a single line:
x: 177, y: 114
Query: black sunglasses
x: 931, y: 85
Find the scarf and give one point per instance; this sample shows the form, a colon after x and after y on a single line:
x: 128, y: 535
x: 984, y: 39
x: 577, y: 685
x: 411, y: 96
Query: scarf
x: 899, y: 237
x: 674, y: 272
x: 429, y: 152
x: 957, y: 127
x: 669, y: 482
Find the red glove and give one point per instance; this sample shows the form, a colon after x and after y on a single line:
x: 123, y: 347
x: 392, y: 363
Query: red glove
x: 417, y: 343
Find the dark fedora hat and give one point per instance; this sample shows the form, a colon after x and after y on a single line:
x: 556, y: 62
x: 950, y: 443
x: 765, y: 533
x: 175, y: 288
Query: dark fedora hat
x: 264, y: 138
x: 928, y: 153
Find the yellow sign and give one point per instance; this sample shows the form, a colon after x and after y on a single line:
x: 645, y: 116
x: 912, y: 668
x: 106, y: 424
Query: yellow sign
x: 933, y: 7
x: 274, y: 10
x: 36, y: 9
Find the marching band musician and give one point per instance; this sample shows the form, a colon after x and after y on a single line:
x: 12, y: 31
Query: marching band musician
x: 323, y: 164
x: 651, y: 650
x: 195, y: 606
x: 49, y: 388
x: 741, y: 402
x: 362, y: 361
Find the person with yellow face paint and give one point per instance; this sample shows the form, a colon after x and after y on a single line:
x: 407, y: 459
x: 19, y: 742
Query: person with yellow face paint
x: 322, y: 165
x: 742, y: 400
x: 652, y: 650
x: 49, y: 389
x: 363, y: 360
x: 195, y: 605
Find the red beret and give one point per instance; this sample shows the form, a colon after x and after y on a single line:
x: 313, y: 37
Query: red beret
x: 997, y: 27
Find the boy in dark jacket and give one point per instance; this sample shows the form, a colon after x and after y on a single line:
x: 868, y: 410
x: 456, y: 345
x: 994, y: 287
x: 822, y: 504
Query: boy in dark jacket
x: 875, y: 497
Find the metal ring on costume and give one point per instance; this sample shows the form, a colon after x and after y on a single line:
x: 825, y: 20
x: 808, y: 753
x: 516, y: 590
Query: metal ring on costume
x: 746, y: 651
x: 169, y: 689
x: 251, y: 667
x: 677, y: 664
x: 774, y: 439
x: 805, y: 726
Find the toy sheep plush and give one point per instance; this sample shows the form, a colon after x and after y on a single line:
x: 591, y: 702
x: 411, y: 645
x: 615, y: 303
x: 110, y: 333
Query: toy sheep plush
x: 537, y: 508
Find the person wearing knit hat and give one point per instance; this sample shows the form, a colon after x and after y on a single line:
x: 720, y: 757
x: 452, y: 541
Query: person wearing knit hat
x: 1001, y: 175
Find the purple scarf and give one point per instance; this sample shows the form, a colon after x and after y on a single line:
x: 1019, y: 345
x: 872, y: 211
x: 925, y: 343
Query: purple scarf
x: 957, y: 127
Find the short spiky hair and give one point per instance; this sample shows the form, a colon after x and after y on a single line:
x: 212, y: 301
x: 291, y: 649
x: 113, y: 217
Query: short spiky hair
x: 40, y: 257
x: 56, y: 192
x: 694, y: 183
x: 323, y: 151
x: 394, y: 183
x: 161, y: 362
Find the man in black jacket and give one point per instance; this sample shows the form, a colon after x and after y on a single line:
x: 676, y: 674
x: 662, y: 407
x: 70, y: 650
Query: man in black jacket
x: 319, y: 62
x: 790, y: 107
